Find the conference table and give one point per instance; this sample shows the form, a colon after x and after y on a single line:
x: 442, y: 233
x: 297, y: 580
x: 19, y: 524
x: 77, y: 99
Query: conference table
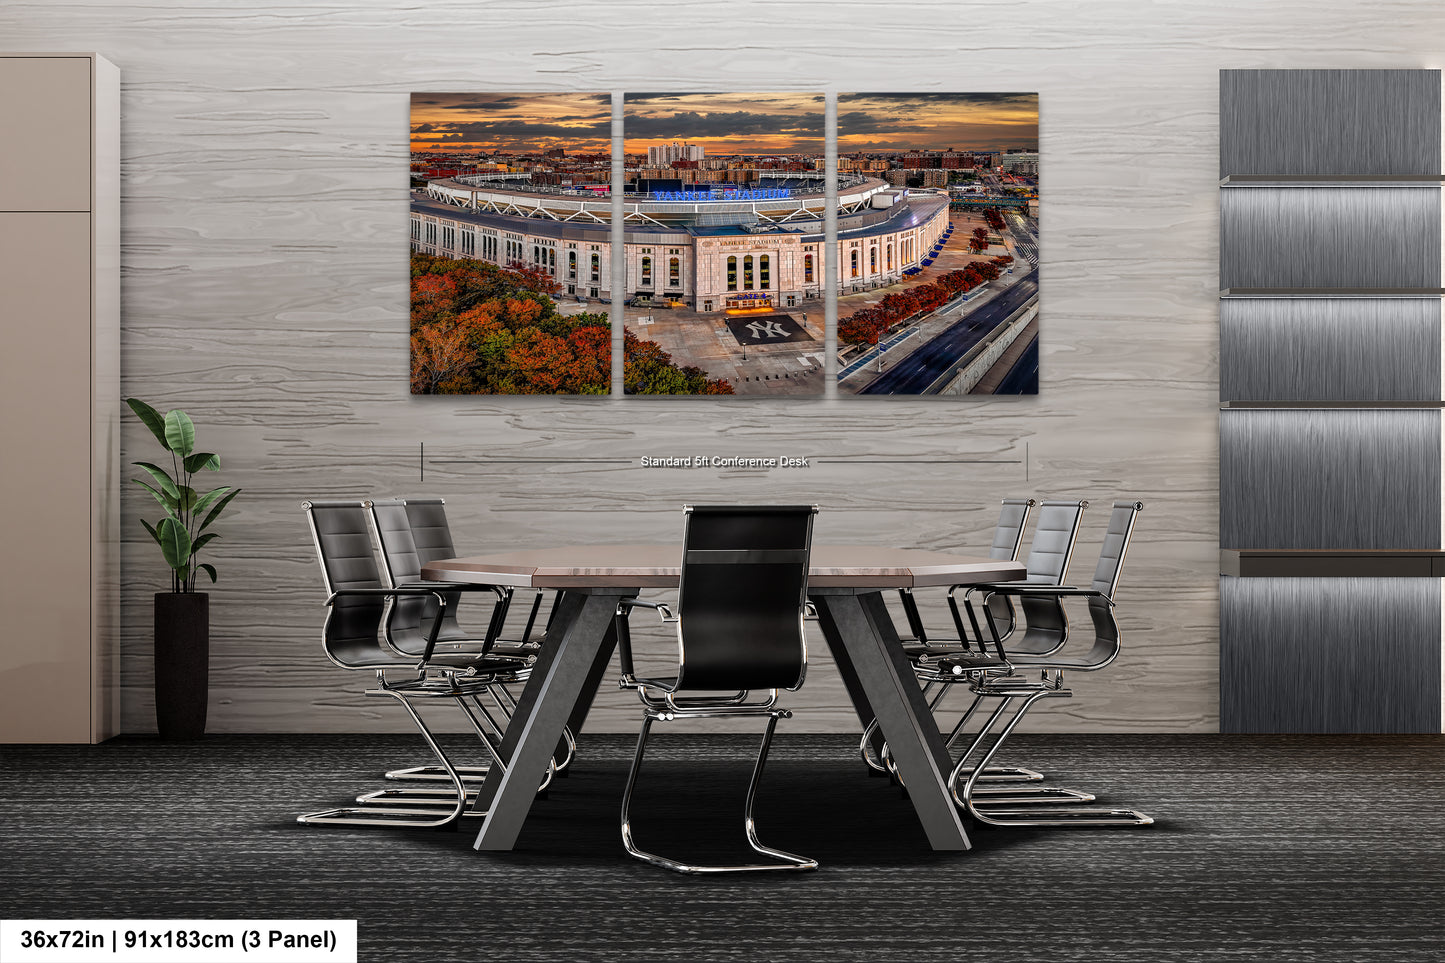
x: 845, y: 582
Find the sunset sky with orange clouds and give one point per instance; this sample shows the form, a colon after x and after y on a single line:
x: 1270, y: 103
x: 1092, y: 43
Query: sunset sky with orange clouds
x: 736, y: 123
x: 724, y: 123
x: 512, y: 122
x: 934, y: 121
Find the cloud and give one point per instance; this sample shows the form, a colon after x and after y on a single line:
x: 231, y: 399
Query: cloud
x: 493, y: 130
x: 695, y: 125
x: 960, y: 100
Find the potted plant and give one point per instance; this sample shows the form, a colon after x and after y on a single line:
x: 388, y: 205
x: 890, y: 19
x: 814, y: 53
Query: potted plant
x: 182, y: 615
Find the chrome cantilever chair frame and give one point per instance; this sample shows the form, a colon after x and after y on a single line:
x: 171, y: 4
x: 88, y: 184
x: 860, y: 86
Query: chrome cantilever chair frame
x: 1000, y: 683
x: 358, y: 644
x: 394, y: 523
x: 1045, y: 627
x: 1008, y: 536
x: 780, y: 660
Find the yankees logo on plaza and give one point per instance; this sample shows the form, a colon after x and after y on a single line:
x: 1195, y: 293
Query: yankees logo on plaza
x: 766, y: 329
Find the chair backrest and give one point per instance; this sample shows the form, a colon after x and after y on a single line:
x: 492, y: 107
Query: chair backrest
x: 1116, y: 544
x: 1106, y: 579
x: 741, y: 596
x: 1046, y: 624
x: 429, y: 529
x: 399, y: 523
x: 398, y: 545
x: 342, y: 536
x: 1008, y: 535
x: 1048, y: 614
x: 1053, y: 544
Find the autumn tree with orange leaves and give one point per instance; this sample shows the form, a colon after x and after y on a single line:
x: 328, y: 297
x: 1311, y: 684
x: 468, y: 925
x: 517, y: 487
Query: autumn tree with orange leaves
x: 868, y: 325
x: 477, y: 328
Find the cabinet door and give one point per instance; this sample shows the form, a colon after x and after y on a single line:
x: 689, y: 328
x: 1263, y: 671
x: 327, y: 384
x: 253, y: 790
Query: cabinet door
x: 45, y: 392
x: 45, y: 134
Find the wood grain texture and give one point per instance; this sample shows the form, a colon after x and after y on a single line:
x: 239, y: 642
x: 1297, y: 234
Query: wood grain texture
x: 265, y: 257
x: 659, y: 566
x: 1335, y: 646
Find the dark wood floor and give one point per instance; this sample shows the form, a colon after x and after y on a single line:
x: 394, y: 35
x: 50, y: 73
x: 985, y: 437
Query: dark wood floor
x: 1266, y: 848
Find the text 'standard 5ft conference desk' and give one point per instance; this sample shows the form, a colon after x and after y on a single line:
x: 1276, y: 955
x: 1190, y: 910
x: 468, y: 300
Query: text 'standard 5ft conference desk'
x: 846, y: 583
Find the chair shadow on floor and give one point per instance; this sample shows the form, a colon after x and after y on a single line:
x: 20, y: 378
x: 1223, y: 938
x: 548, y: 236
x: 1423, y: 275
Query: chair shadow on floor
x: 830, y: 809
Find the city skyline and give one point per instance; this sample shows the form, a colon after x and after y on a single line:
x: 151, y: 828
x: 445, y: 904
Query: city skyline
x: 579, y: 123
x: 900, y: 122
x: 789, y: 122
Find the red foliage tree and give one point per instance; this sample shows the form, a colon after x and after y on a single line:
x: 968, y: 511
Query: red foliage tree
x: 439, y: 352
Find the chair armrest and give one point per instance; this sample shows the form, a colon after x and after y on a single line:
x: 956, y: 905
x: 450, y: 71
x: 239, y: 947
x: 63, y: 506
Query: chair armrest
x: 1054, y: 591
x: 409, y: 591
x: 662, y: 609
x: 497, y: 590
x: 418, y: 591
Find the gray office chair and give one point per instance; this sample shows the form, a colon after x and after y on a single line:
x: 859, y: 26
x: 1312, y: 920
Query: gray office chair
x: 994, y: 676
x: 1045, y: 625
x: 412, y: 532
x: 741, y: 604
x: 1008, y: 535
x: 352, y: 639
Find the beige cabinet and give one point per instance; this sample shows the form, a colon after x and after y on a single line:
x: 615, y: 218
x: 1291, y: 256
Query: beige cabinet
x: 60, y: 394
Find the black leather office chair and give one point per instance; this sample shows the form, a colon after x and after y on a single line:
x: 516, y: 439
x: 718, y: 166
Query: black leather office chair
x: 411, y: 533
x: 1001, y: 681
x: 1008, y: 536
x: 1050, y: 551
x: 352, y: 639
x: 741, y: 605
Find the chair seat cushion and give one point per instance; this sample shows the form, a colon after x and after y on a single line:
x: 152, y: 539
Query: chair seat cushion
x: 919, y: 650
x: 477, y: 665
x: 962, y: 664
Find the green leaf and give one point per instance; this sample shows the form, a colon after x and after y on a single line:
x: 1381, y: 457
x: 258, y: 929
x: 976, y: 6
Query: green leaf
x: 217, y: 509
x: 152, y: 529
x: 186, y: 499
x: 200, y: 542
x: 180, y: 433
x: 203, y: 461
x: 175, y: 543
x: 152, y: 418
x: 161, y: 476
x: 210, y: 570
x: 167, y: 502
x: 207, y: 498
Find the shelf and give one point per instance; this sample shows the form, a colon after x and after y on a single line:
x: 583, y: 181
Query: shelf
x: 1332, y: 180
x: 1331, y: 563
x: 1331, y: 292
x: 1331, y: 405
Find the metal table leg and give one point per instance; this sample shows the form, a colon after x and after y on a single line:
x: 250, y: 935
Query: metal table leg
x: 861, y: 635
x: 549, y: 699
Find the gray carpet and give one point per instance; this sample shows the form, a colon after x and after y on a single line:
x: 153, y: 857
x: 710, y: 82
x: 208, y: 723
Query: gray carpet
x: 1266, y: 848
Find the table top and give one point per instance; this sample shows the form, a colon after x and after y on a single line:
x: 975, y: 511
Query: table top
x: 658, y: 566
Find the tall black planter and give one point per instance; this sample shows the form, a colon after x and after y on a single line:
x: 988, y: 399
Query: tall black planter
x: 183, y: 644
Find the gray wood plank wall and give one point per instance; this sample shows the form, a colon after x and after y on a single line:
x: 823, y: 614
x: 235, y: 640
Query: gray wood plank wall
x: 265, y: 292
